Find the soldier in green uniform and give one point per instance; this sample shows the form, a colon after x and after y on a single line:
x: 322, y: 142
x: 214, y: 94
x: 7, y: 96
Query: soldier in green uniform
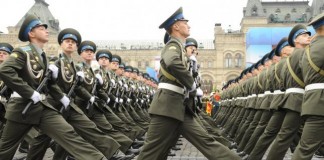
x: 312, y: 110
x: 5, y: 50
x: 168, y: 116
x: 291, y: 76
x: 23, y: 71
x: 284, y: 50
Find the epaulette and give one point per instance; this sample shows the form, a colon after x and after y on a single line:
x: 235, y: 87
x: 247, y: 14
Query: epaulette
x: 25, y: 48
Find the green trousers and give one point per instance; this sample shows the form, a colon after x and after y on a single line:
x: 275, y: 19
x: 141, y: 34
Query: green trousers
x: 164, y: 131
x: 55, y: 126
x: 86, y: 129
x: 311, y: 139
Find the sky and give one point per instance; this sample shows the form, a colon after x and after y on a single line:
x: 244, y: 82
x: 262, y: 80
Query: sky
x: 130, y: 19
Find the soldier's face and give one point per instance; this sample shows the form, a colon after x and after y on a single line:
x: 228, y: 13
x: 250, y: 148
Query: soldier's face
x: 120, y: 71
x: 183, y: 28
x: 3, y: 56
x: 87, y: 55
x: 114, y: 65
x: 103, y: 62
x: 39, y: 34
x: 191, y: 50
x: 268, y: 63
x: 126, y: 74
x: 68, y: 46
x: 303, y: 39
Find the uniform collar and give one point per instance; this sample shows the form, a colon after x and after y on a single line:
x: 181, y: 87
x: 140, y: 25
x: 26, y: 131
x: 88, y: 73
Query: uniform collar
x: 38, y: 49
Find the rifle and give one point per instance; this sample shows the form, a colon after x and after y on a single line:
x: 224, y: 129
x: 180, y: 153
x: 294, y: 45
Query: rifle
x: 3, y: 90
x: 39, y: 88
x: 90, y: 106
x: 64, y: 110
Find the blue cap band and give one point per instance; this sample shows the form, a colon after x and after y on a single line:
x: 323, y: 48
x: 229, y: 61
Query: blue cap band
x: 190, y: 44
x: 3, y: 48
x: 299, y: 32
x: 115, y: 59
x: 128, y: 70
x: 30, y: 26
x: 103, y: 55
x: 172, y: 20
x: 87, y: 47
x: 70, y: 36
x: 121, y: 66
x: 318, y: 24
x: 283, y: 45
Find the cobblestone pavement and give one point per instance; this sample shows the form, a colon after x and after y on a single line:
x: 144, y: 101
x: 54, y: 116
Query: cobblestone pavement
x: 187, y: 152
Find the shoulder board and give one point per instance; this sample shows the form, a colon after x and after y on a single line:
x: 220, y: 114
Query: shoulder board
x: 25, y: 48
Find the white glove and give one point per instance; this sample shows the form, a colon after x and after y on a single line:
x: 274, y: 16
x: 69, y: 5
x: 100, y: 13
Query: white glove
x: 199, y: 92
x: 65, y: 101
x: 126, y: 87
x: 108, y: 100
x: 92, y: 99
x: 54, y: 70
x: 36, y: 97
x: 194, y: 86
x: 81, y: 74
x: 121, y: 100
x: 100, y: 80
x: 128, y: 100
x: 193, y: 58
x: 112, y: 81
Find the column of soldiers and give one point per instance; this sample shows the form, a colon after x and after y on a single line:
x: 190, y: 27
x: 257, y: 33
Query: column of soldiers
x: 278, y: 100
x: 79, y: 111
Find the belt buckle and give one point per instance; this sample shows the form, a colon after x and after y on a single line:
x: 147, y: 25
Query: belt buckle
x: 43, y: 97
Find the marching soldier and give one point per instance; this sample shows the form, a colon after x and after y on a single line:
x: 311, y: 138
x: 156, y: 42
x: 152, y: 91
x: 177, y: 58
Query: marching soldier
x: 23, y: 72
x: 5, y: 51
x: 168, y: 116
x: 312, y: 110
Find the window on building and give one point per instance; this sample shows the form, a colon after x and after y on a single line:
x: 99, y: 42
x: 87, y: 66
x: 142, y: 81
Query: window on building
x: 210, y: 64
x: 278, y: 10
x: 287, y: 17
x: 308, y: 9
x: 202, y: 64
x: 147, y: 64
x: 293, y: 10
x: 238, y: 60
x: 254, y: 11
x: 272, y: 18
x: 264, y: 10
x: 228, y: 60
